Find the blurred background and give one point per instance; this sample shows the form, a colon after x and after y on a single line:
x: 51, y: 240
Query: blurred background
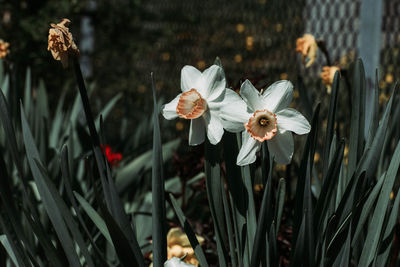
x: 122, y: 41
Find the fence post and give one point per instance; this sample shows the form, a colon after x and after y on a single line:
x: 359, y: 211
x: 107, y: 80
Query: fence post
x: 369, y: 48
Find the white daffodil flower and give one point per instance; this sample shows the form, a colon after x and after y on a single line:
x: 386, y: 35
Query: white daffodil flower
x: 175, y: 262
x: 199, y: 102
x: 263, y: 117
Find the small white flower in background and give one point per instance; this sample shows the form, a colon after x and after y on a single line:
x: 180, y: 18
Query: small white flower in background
x: 199, y: 102
x: 263, y: 117
x: 175, y: 262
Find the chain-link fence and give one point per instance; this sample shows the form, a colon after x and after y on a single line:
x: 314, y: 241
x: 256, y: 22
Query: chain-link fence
x: 390, y: 56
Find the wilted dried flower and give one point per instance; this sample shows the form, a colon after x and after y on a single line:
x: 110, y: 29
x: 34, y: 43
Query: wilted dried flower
x: 61, y: 43
x: 307, y: 46
x: 327, y: 75
x: 4, y: 51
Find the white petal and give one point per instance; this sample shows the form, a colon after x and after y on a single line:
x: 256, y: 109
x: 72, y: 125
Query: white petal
x: 233, y: 112
x: 196, y: 132
x: 251, y: 96
x: 291, y: 120
x: 278, y: 96
x: 247, y: 153
x: 190, y: 78
x: 169, y: 110
x: 175, y: 262
x: 281, y: 147
x: 213, y: 83
x: 214, y: 127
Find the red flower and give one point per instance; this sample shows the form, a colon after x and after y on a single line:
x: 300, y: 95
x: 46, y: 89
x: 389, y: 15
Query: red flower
x: 112, y: 158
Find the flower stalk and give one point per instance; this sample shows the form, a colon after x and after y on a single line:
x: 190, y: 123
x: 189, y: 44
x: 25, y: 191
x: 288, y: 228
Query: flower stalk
x: 85, y: 101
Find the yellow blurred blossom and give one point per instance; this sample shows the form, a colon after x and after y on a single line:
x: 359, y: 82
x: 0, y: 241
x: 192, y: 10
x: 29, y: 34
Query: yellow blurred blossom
x: 382, y: 84
x: 165, y: 56
x: 307, y: 47
x: 346, y: 150
x: 4, y: 51
x: 280, y: 167
x: 391, y: 195
x: 249, y: 42
x: 258, y: 187
x: 278, y: 27
x: 179, y: 245
x: 201, y: 64
x: 61, y: 43
x: 383, y: 98
x: 238, y: 58
x: 240, y: 28
x: 316, y: 157
x: 179, y: 126
x: 346, y: 154
x: 389, y: 78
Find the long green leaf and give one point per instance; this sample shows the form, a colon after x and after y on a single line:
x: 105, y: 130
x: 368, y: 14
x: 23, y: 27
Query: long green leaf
x: 372, y: 160
x: 251, y: 221
x: 66, y: 214
x: 298, y: 256
x: 343, y: 259
x: 50, y: 205
x: 65, y: 170
x: 189, y: 232
x: 327, y: 192
x: 27, y: 92
x: 262, y: 225
x: 368, y: 206
x: 122, y: 246
x: 280, y: 201
x: 13, y: 215
x: 229, y: 228
x: 158, y: 192
x: 376, y: 225
x: 10, y: 251
x: 305, y: 166
x: 374, y: 113
x: 355, y: 130
x: 237, y: 192
x: 387, y: 238
x: 5, y: 86
x: 94, y: 216
x: 213, y: 187
x: 331, y: 124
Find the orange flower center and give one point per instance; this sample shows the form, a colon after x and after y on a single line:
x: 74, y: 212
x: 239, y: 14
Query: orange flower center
x: 191, y: 105
x: 262, y: 125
